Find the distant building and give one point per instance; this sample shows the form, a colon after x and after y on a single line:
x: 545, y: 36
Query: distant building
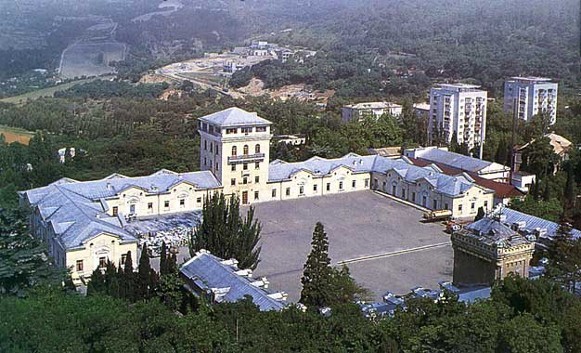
x: 360, y: 111
x: 295, y: 140
x: 389, y: 152
x: 489, y: 250
x: 561, y: 147
x: 529, y: 96
x: 422, y: 109
x: 485, y: 169
x: 460, y: 109
x: 220, y: 281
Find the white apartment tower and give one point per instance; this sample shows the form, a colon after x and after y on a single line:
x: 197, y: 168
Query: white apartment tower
x: 530, y: 96
x: 458, y: 108
x: 234, y: 146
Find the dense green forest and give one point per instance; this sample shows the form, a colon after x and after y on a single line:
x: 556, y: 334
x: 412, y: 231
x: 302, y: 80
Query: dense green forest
x: 393, y: 47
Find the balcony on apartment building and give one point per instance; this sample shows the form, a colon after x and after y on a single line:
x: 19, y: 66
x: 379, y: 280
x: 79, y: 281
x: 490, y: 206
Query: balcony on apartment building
x: 241, y: 158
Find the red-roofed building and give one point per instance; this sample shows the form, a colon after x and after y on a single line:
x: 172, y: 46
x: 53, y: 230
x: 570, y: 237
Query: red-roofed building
x: 503, y: 192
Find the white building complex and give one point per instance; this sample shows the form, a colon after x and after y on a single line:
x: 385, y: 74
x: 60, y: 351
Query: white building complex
x: 457, y: 108
x: 374, y: 110
x: 530, y: 96
x: 88, y: 223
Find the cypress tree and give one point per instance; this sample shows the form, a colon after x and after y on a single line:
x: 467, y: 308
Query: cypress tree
x: 247, y: 250
x: 163, y: 260
x: 570, y: 194
x: 480, y: 214
x: 128, y: 283
x: 317, y: 272
x: 225, y: 234
x: 145, y: 278
x: 97, y: 283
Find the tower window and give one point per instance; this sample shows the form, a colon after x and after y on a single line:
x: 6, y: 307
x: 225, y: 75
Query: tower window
x: 287, y: 191
x: 233, y: 167
x: 245, y: 150
x: 257, y: 148
x: 256, y: 165
x: 234, y: 151
x: 257, y: 179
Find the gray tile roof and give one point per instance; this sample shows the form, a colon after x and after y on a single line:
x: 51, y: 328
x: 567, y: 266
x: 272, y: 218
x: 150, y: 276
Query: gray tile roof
x: 533, y: 222
x: 209, y: 272
x: 234, y: 117
x: 76, y: 210
x: 456, y: 160
x: 319, y: 167
x: 490, y: 230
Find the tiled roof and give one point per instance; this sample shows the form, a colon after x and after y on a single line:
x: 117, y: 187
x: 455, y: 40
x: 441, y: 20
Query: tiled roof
x: 319, y: 167
x: 234, y: 117
x: 501, y: 190
x: 533, y: 222
x: 77, y: 212
x: 211, y: 273
x: 490, y: 230
x: 456, y: 160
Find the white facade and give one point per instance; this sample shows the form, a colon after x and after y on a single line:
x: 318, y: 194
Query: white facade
x: 529, y: 96
x: 458, y: 108
x: 370, y: 109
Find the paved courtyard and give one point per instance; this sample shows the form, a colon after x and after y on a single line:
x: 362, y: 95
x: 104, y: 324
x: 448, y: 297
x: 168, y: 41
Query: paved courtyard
x: 382, y: 241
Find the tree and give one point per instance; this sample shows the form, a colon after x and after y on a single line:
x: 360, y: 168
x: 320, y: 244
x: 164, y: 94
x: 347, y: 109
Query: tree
x: 129, y: 290
x: 565, y: 257
x: 317, y: 272
x: 146, y: 276
x: 480, y: 214
x: 225, y: 234
x: 163, y: 261
x: 23, y: 259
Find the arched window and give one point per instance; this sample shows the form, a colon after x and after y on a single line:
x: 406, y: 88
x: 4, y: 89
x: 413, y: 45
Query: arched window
x: 234, y: 152
x: 245, y: 152
x: 257, y: 148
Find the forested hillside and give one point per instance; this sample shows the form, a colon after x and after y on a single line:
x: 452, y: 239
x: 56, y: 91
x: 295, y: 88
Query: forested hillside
x: 482, y: 42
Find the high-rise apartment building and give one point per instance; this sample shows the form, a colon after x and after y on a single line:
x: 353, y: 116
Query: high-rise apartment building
x: 530, y: 96
x: 457, y: 108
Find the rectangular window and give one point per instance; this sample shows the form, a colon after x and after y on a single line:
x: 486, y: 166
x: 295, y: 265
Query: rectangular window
x: 328, y: 186
x: 245, y: 180
x: 246, y: 130
x: 315, y: 187
x: 445, y: 206
x: 102, y: 262
x: 302, y: 190
x: 231, y: 131
x: 79, y: 266
x: 460, y: 207
x: 199, y: 200
x: 402, y: 193
x: 413, y: 197
x: 435, y: 204
x: 233, y: 181
x: 166, y: 204
x: 123, y: 259
x: 486, y: 204
x: 393, y: 190
x: 473, y: 206
x: 233, y: 167
x: 205, y: 161
x: 150, y: 206
x: 257, y: 179
x: 245, y: 166
x: 256, y: 195
x: 353, y: 183
x: 256, y: 165
x: 261, y: 129
x: 340, y: 185
x: 211, y: 146
x: 182, y: 203
x: 217, y: 166
x: 273, y: 192
x: 366, y: 183
x: 115, y: 210
x: 287, y: 191
x: 205, y: 145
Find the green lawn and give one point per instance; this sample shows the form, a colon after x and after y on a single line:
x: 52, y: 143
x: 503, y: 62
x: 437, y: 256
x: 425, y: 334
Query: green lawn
x: 48, y: 92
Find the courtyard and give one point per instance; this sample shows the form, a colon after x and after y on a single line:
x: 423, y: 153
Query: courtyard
x: 382, y: 241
